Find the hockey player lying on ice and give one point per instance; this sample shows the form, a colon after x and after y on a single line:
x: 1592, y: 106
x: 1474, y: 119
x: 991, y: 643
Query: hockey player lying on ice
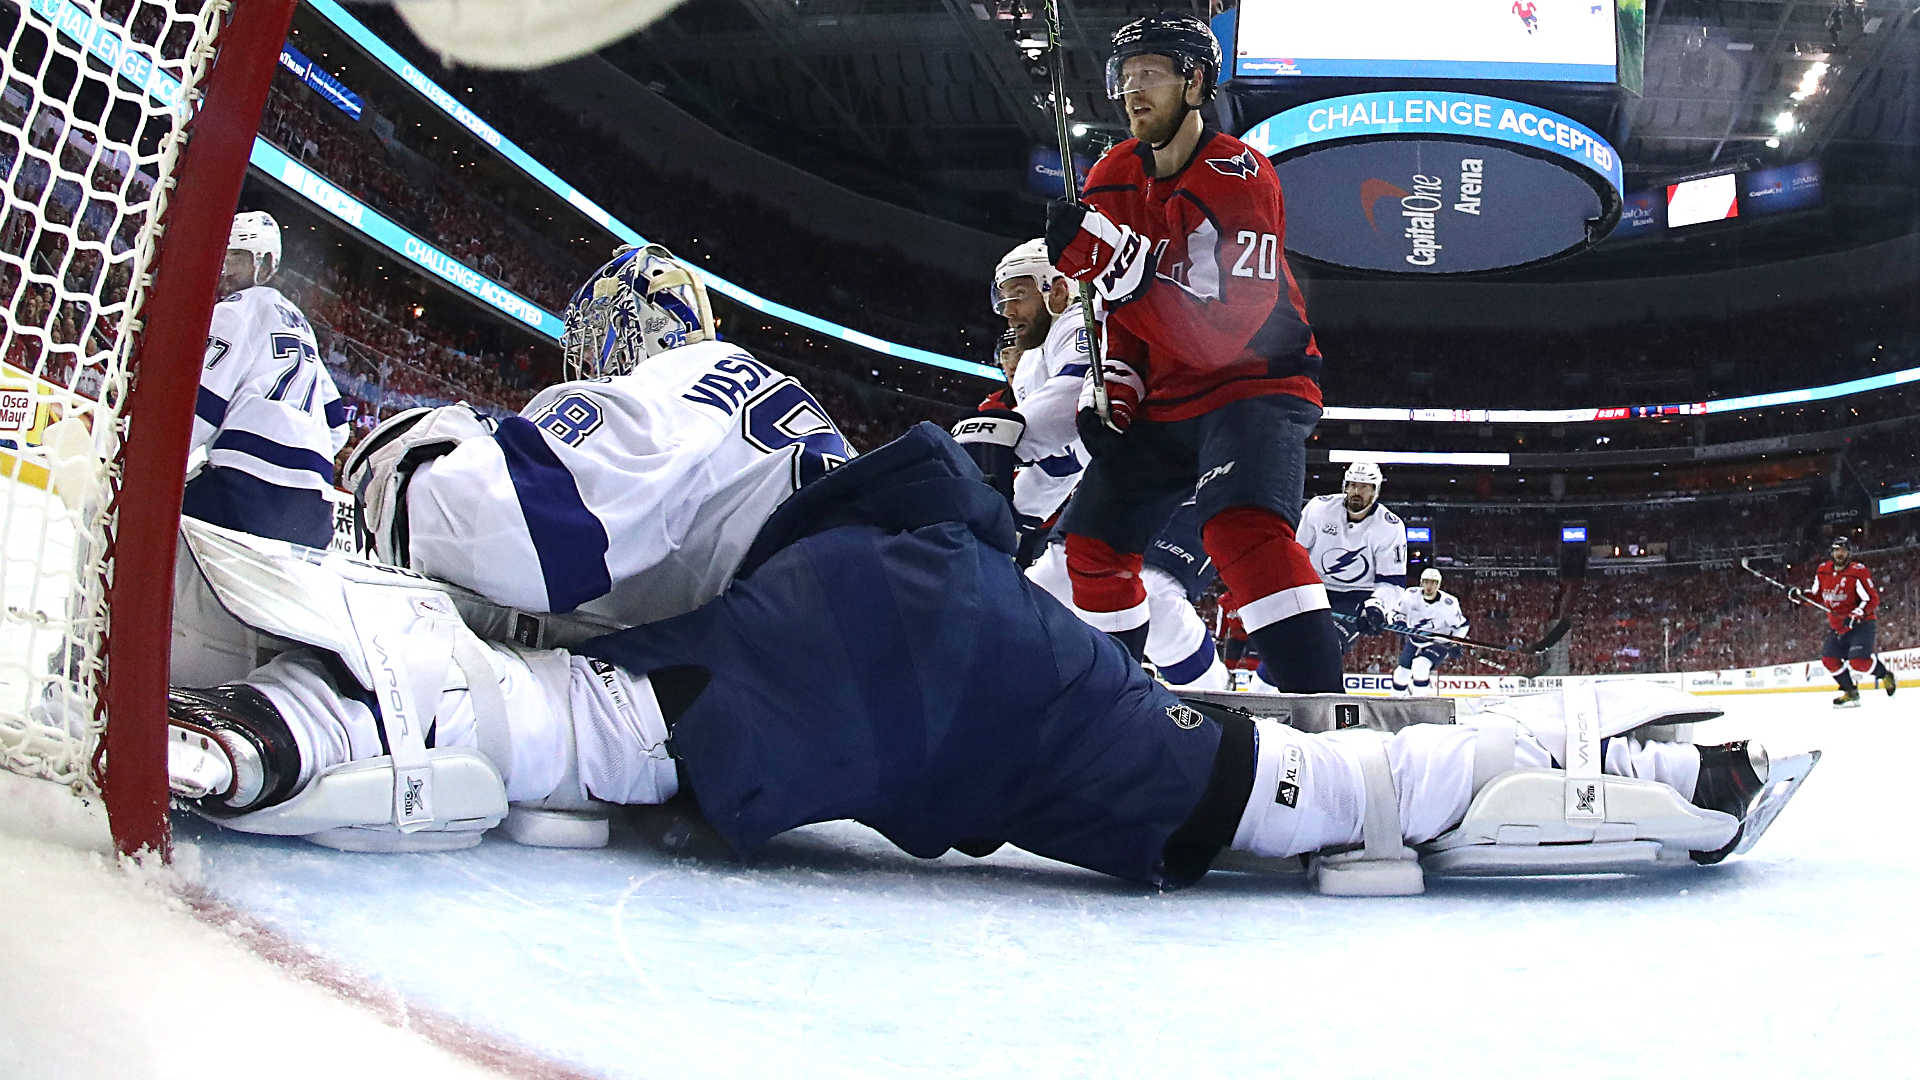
x: 877, y: 656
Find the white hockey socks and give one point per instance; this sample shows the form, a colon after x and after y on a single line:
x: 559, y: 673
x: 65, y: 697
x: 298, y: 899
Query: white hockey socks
x: 1307, y: 793
x: 621, y: 735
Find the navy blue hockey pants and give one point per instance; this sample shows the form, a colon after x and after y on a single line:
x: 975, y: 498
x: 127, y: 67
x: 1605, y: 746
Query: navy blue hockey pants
x: 882, y: 659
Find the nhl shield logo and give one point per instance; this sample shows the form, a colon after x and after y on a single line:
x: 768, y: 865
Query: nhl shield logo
x: 1183, y: 717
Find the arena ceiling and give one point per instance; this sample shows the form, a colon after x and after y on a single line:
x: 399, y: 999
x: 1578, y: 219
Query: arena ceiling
x: 936, y: 103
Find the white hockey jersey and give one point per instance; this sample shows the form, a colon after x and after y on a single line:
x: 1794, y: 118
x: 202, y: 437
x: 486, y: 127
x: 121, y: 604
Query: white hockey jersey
x: 1365, y: 556
x: 1046, y: 391
x: 632, y: 497
x: 1441, y: 614
x: 267, y: 405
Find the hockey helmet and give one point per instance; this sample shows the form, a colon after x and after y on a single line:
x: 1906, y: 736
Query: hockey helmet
x: 640, y: 304
x: 1430, y: 576
x: 1184, y: 39
x: 1363, y: 472
x: 1029, y: 260
x: 257, y: 234
x: 1840, y: 543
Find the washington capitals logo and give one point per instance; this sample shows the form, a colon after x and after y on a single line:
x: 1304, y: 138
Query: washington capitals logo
x: 1242, y: 165
x: 1372, y: 190
x: 1346, y: 567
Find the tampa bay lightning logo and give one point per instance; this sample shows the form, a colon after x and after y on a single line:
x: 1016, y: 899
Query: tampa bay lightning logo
x: 1241, y: 165
x: 1345, y: 566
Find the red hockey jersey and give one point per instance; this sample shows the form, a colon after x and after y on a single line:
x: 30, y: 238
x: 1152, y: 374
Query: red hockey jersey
x: 1223, y: 319
x: 1848, y: 593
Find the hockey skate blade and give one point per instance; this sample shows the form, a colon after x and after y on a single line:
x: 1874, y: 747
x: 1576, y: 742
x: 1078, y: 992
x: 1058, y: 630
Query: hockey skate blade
x: 196, y: 765
x: 1784, y: 777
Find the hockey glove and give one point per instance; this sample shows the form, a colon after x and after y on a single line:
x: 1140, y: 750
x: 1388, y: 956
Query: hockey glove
x: 1086, y: 245
x: 989, y: 439
x: 1373, y: 617
x: 1847, y: 624
x: 382, y: 466
x: 1125, y: 388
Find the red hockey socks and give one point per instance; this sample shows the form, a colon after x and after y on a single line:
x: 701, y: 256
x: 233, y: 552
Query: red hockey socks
x: 1108, y: 590
x: 1283, y: 604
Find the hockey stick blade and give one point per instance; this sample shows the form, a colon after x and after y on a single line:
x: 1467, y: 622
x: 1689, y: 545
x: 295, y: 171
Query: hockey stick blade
x: 1552, y: 637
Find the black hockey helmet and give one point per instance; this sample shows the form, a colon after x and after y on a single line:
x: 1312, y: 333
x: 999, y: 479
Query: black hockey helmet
x: 1841, y: 542
x: 1185, y: 39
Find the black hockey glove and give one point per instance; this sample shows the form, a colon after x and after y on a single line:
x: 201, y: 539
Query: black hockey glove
x: 1373, y: 617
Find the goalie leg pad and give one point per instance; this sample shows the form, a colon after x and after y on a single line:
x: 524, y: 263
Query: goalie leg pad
x: 1576, y: 819
x: 455, y: 795
x: 397, y: 636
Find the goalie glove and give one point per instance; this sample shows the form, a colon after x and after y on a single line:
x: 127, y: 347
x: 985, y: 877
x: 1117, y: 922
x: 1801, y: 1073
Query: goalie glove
x: 989, y: 439
x: 1088, y: 246
x: 382, y: 466
x: 1373, y: 617
x: 1125, y: 388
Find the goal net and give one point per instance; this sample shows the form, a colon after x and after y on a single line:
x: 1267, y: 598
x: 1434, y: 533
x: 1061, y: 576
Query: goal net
x: 124, y: 132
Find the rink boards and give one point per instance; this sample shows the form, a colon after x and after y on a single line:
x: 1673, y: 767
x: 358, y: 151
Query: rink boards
x: 1799, y: 677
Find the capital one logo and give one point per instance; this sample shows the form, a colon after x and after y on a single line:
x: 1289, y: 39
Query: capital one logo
x: 1345, y: 566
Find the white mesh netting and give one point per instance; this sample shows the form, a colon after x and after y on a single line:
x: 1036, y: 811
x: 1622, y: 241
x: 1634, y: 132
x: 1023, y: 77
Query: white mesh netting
x: 92, y: 111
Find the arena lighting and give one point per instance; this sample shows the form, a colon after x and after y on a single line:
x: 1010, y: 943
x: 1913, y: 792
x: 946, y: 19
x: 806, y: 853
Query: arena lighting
x: 1896, y: 503
x: 395, y: 63
x: 1415, y: 457
x: 385, y: 55
x: 1625, y: 412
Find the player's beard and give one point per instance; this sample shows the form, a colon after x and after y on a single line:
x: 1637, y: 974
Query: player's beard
x: 1158, y: 127
x: 1036, y: 332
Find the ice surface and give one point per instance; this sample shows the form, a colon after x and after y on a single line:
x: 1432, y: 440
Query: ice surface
x: 834, y: 955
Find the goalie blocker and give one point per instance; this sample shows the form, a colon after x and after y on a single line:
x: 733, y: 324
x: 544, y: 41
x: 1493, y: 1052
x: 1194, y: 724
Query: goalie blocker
x: 1080, y: 757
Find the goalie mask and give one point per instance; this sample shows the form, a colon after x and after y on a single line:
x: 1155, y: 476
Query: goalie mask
x: 257, y: 234
x: 639, y: 305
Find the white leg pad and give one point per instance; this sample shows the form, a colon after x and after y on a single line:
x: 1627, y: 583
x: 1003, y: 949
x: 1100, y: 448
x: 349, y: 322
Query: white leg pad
x: 1519, y: 824
x: 1383, y: 865
x: 350, y: 807
x: 1575, y: 820
x: 401, y: 638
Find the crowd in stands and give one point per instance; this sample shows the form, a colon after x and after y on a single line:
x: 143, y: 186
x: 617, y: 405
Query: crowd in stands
x: 1626, y: 364
x: 456, y: 217
x: 1655, y: 619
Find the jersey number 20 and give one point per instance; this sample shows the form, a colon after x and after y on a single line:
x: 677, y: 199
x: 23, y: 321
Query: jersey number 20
x: 1259, y: 255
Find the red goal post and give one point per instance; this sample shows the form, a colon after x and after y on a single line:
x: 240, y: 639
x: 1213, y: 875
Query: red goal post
x: 125, y: 131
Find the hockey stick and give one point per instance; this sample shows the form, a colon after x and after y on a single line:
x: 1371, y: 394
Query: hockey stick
x: 1554, y: 634
x: 1798, y: 596
x: 1057, y: 73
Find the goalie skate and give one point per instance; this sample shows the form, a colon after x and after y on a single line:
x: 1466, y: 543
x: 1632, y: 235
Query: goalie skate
x: 1784, y: 777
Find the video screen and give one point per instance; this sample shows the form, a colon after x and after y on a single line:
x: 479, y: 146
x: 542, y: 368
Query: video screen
x: 1692, y: 202
x: 1534, y: 40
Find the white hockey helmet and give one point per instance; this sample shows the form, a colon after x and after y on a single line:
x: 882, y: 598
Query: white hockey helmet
x: 640, y: 304
x: 1029, y: 260
x: 1363, y: 472
x: 256, y: 233
x: 1430, y: 574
